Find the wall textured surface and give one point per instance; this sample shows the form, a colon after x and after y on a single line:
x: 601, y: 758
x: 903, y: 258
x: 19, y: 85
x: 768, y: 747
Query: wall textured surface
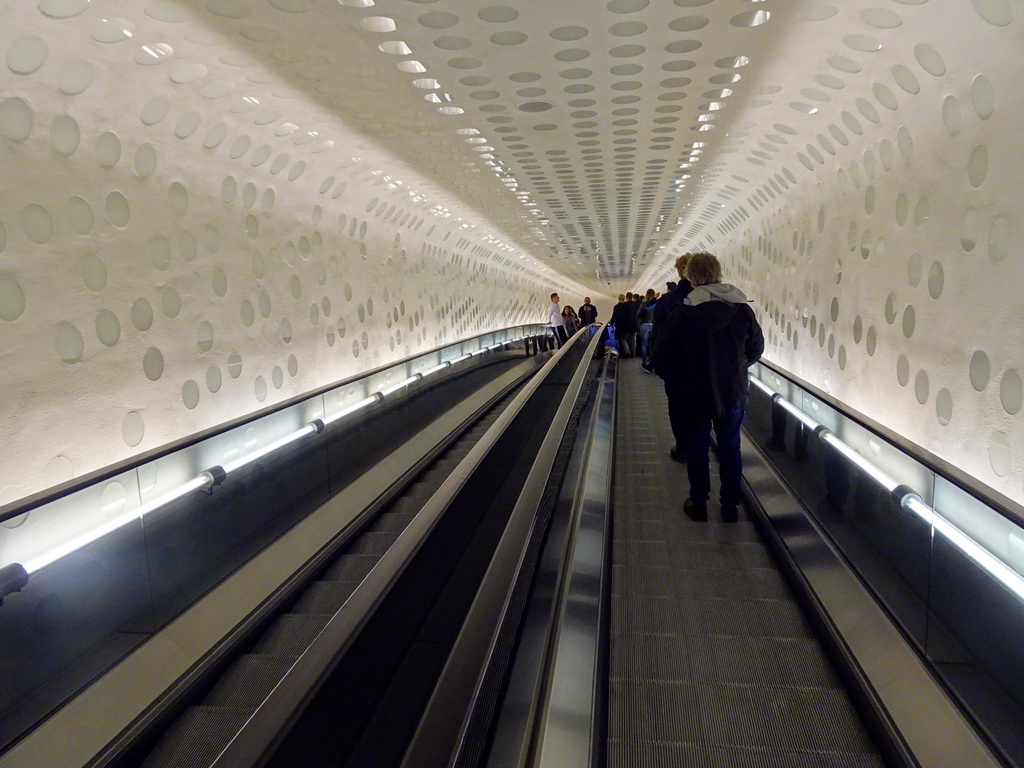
x: 876, y: 222
x: 185, y: 238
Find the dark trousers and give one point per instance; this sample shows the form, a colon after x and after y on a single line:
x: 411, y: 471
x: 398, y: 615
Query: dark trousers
x: 628, y: 342
x: 559, y: 332
x: 698, y: 441
x: 675, y: 417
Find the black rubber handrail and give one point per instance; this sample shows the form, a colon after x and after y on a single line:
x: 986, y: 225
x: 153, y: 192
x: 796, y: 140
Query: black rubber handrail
x: 440, y: 731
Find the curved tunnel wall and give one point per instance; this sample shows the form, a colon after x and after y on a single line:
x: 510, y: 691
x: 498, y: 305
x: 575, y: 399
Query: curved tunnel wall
x: 185, y: 237
x: 182, y: 242
x: 876, y: 221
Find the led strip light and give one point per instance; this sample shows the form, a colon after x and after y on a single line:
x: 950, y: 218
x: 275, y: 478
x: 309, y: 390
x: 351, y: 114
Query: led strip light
x: 15, y: 575
x: 909, y: 500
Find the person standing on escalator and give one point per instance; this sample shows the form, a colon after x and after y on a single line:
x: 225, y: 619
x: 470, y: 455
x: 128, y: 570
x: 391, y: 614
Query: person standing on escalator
x: 555, y: 322
x: 703, y: 351
x: 587, y: 312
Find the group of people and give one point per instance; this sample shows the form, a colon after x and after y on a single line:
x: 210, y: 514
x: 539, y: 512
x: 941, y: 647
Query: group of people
x: 700, y: 337
x: 633, y: 318
x: 564, y: 322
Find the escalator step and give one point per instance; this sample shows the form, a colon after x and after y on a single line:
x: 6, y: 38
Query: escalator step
x: 392, y: 522
x: 421, y: 490
x: 325, y: 597
x: 350, y: 567
x: 436, y: 474
x: 196, y: 738
x: 373, y: 543
x: 406, y: 505
x: 290, y: 634
x: 248, y: 681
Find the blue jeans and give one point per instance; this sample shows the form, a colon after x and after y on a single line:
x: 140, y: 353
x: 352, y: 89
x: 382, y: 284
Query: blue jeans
x: 645, y: 343
x: 698, y: 441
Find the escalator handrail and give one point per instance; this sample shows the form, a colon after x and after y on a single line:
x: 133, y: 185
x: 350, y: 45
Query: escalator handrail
x: 570, y: 721
x: 997, y: 501
x: 253, y: 744
x: 442, y: 729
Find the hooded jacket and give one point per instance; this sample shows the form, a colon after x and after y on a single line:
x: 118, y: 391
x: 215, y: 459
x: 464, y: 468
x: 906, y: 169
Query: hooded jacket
x: 704, y: 349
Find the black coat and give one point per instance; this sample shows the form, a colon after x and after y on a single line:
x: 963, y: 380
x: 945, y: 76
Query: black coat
x: 667, y: 303
x: 588, y: 314
x: 624, y: 319
x: 703, y: 353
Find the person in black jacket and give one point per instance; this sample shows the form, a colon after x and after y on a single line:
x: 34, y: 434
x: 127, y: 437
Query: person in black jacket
x: 668, y: 302
x: 646, y: 320
x: 704, y: 350
x: 588, y: 312
x: 624, y: 320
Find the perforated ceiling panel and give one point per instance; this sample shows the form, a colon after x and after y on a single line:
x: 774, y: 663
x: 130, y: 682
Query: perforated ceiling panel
x: 582, y: 128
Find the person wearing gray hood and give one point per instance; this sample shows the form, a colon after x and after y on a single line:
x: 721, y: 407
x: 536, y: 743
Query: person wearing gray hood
x: 703, y: 354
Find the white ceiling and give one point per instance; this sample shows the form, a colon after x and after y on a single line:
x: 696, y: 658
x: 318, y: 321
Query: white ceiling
x: 590, y: 132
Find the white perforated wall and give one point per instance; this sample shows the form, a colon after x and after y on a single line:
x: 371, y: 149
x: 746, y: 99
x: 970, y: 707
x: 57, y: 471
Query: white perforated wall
x: 871, y: 207
x: 183, y: 241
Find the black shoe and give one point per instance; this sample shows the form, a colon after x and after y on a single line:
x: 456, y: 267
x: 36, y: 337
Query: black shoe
x: 730, y: 513
x: 696, y: 510
x: 677, y: 455
x: 647, y: 367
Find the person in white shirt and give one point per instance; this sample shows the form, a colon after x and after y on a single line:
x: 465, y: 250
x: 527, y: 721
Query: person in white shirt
x: 555, y: 321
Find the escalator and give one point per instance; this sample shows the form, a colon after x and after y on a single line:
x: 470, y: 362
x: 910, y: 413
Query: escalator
x: 201, y: 732
x: 353, y: 660
x: 492, y: 613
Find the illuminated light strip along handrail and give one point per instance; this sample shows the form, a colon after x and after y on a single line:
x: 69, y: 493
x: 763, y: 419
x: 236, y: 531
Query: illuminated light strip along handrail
x: 762, y: 386
x: 989, y: 562
x: 213, y: 476
x: 311, y: 428
x: 395, y: 387
x: 436, y: 368
x: 374, y: 398
x: 870, y: 469
x: 910, y: 500
x: 800, y: 415
x: 201, y: 481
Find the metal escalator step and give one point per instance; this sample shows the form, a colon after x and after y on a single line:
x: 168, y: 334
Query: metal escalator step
x: 437, y: 474
x: 456, y: 453
x: 290, y: 634
x: 406, y: 505
x: 324, y: 597
x: 421, y: 490
x: 373, y: 543
x: 392, y: 521
x: 350, y: 567
x: 248, y: 681
x: 196, y: 738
